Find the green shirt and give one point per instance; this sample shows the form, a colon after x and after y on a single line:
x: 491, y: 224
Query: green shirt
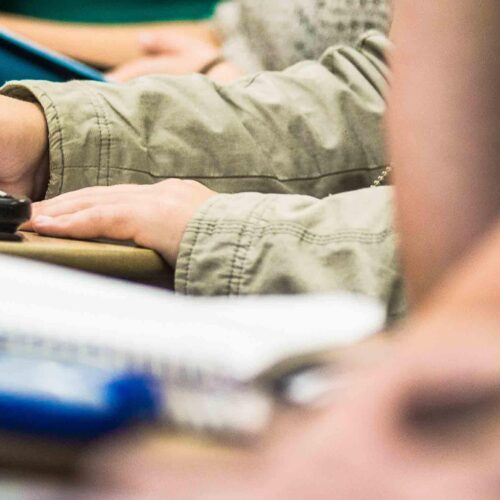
x: 111, y: 11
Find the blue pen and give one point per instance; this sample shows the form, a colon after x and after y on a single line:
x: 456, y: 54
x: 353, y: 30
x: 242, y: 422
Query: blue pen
x: 71, y: 401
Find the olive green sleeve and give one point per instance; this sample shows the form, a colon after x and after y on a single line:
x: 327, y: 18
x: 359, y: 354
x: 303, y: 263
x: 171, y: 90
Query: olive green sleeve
x: 312, y: 129
x: 277, y: 145
x: 251, y: 243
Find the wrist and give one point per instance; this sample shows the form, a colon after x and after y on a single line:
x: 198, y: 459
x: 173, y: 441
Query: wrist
x: 24, y: 153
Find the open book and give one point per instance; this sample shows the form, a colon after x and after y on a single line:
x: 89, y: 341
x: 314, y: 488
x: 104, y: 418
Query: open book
x: 222, y: 347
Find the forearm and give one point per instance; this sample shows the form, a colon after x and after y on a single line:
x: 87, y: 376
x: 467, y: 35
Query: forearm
x: 314, y: 129
x: 100, y: 45
x: 24, y: 148
x: 445, y: 118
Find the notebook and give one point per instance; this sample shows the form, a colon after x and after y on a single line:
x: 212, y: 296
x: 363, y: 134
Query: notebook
x: 21, y: 59
x: 216, y: 356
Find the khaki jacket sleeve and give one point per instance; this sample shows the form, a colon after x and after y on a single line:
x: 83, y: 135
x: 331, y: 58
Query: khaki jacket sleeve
x: 314, y: 129
x: 252, y: 243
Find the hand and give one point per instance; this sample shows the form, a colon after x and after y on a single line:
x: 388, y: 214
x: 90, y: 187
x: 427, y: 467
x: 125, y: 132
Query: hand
x: 169, y: 53
x: 23, y: 148
x: 154, y: 216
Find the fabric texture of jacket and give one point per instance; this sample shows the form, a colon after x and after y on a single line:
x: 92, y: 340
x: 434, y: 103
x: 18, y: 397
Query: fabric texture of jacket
x: 293, y: 155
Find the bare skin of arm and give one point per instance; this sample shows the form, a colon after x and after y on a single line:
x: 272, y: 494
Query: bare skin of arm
x: 24, y: 157
x: 445, y: 119
x: 85, y: 42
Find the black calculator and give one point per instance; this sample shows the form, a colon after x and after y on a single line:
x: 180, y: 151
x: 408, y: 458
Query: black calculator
x: 13, y: 212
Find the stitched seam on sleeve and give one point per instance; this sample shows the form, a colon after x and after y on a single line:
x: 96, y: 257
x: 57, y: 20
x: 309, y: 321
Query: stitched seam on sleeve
x: 60, y: 135
x: 251, y: 225
x: 361, y: 236
x: 232, y: 271
x: 99, y: 127
x: 266, y: 206
x: 198, y: 225
x: 189, y: 257
x: 107, y: 124
x: 241, y: 250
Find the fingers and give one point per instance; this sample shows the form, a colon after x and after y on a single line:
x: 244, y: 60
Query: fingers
x: 108, y: 221
x: 61, y: 208
x: 153, y: 216
x: 100, y: 194
x: 73, y: 214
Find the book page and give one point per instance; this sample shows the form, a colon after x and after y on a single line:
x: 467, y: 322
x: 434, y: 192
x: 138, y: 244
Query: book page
x: 93, y: 316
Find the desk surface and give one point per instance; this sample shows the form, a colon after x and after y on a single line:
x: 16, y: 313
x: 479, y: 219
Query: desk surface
x: 116, y: 260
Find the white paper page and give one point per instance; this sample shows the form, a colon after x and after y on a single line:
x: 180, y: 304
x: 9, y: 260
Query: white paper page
x: 240, y: 337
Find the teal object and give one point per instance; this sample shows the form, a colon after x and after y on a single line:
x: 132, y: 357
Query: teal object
x: 22, y: 60
x: 112, y: 11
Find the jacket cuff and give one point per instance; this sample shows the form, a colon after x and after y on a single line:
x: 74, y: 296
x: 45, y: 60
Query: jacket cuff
x: 79, y: 142
x: 213, y: 252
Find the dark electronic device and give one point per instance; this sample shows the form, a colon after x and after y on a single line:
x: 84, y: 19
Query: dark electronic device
x: 13, y: 212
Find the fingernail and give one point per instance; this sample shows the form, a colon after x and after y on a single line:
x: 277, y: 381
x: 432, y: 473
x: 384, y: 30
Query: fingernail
x: 43, y: 219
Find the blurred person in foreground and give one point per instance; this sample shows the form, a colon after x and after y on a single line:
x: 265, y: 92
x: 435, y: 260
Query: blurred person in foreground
x: 423, y: 421
x: 420, y: 419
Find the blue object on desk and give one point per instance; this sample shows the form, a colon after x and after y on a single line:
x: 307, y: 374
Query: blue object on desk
x: 23, y: 60
x: 72, y: 402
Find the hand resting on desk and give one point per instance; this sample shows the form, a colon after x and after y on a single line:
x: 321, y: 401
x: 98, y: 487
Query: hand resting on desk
x: 154, y: 216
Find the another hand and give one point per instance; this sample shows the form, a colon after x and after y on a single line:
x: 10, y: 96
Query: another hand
x: 154, y: 216
x: 23, y: 148
x: 167, y: 53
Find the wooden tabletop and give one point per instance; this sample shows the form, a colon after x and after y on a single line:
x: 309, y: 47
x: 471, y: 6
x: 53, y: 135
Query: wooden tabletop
x: 109, y: 259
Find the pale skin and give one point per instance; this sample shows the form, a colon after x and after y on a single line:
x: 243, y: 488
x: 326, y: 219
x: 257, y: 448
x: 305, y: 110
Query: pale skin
x: 153, y: 216
x: 24, y: 151
x: 376, y: 441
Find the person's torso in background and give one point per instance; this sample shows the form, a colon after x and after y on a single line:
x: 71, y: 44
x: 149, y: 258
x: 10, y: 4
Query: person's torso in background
x: 111, y: 11
x: 275, y: 34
